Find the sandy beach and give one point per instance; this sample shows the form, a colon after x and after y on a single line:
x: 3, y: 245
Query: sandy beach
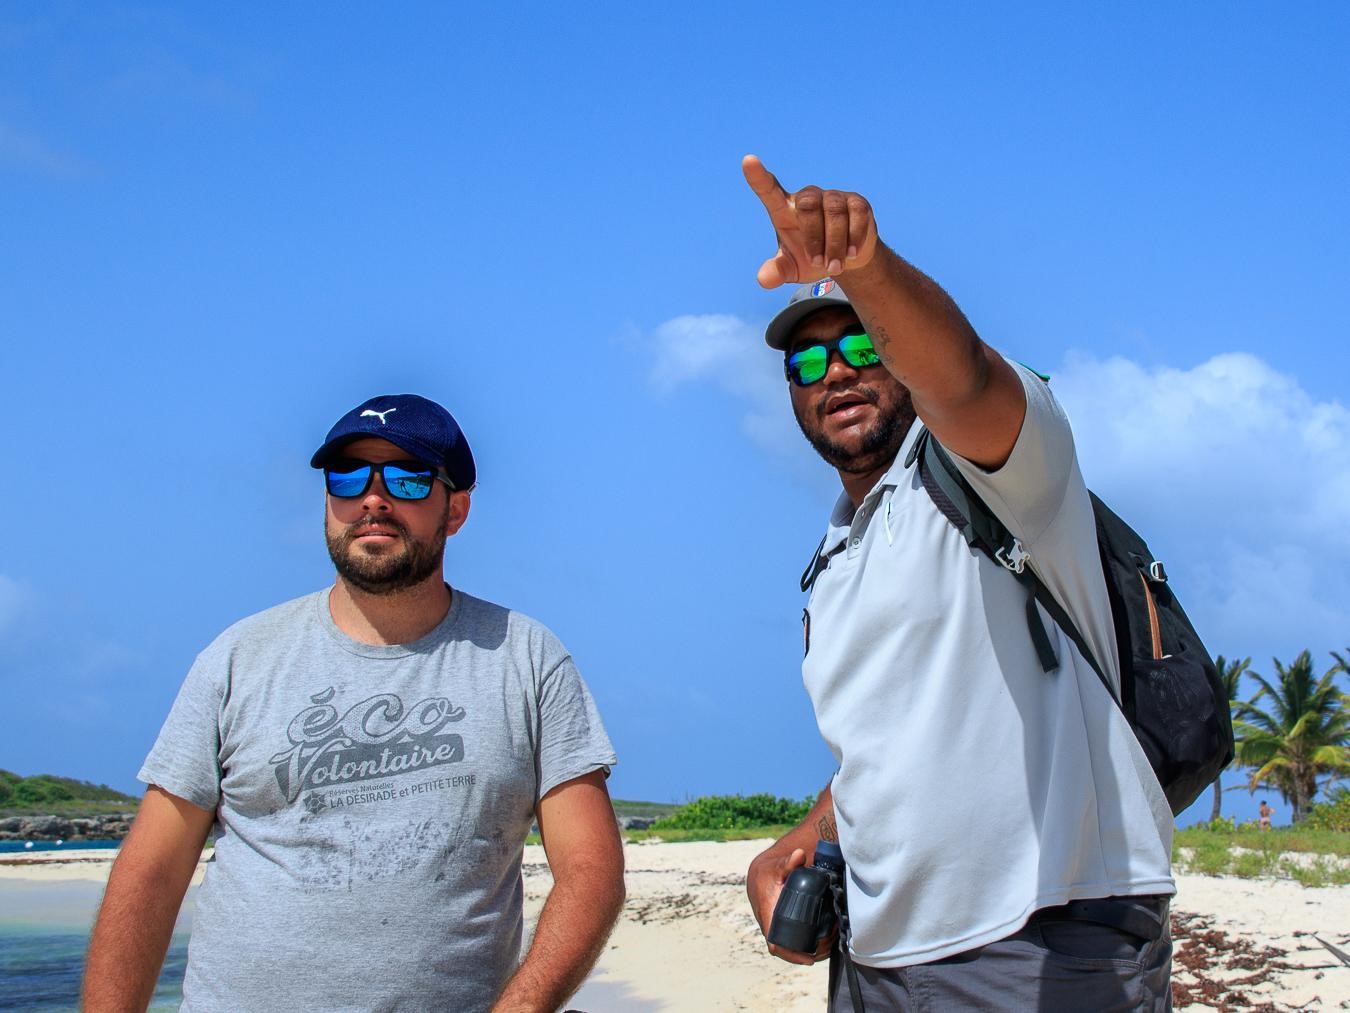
x: 687, y: 941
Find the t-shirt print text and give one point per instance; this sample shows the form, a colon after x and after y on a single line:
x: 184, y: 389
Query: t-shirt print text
x: 377, y: 737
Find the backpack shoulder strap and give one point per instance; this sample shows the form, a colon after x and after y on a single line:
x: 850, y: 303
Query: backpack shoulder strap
x: 820, y: 559
x: 962, y: 506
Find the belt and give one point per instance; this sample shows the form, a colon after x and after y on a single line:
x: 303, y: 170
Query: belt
x: 1139, y: 916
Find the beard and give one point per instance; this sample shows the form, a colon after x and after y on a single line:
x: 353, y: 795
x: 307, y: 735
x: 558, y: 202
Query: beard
x: 880, y: 442
x: 391, y: 571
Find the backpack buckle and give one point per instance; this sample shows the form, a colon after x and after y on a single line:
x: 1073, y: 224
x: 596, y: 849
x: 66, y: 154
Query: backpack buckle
x: 1013, y: 558
x: 1156, y: 571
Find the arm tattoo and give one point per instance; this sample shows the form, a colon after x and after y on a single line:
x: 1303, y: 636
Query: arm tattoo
x: 826, y: 830
x: 881, y: 341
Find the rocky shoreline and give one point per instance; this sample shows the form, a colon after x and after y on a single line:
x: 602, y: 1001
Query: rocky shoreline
x: 107, y: 827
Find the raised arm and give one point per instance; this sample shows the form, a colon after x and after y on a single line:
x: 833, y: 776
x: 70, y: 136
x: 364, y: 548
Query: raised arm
x: 769, y: 871
x: 145, y: 890
x: 585, y: 855
x: 964, y: 391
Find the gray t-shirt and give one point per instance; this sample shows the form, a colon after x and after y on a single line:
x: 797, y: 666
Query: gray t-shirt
x: 371, y: 804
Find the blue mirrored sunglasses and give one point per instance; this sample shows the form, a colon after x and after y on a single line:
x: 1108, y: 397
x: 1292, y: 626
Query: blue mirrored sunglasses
x: 403, y: 479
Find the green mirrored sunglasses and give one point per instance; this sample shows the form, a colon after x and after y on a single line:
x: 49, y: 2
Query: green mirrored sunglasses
x: 810, y: 364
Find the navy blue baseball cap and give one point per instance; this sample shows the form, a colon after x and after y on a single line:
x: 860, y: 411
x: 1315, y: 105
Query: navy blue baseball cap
x: 410, y: 422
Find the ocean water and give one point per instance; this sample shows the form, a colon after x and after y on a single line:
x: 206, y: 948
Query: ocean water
x: 42, y: 971
x: 44, y: 931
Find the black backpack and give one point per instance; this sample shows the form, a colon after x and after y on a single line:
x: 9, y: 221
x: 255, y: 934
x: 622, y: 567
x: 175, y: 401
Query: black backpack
x: 1171, y: 693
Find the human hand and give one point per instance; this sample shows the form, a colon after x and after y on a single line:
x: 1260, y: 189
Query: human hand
x: 764, y: 882
x: 821, y: 233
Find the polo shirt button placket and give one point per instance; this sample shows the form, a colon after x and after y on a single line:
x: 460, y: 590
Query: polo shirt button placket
x: 860, y: 523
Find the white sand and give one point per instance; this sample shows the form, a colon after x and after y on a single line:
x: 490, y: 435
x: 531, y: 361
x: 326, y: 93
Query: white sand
x: 1279, y: 914
x: 687, y: 940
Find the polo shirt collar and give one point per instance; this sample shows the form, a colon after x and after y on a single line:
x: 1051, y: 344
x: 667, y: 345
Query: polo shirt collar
x: 841, y: 517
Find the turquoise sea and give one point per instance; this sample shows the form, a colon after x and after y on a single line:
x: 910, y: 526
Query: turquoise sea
x: 44, y: 930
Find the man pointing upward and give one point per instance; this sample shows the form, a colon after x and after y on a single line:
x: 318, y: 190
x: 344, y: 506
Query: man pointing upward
x: 1007, y: 843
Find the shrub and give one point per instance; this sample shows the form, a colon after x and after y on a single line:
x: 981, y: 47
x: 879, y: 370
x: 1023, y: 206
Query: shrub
x: 735, y: 812
x: 40, y: 789
x: 1320, y: 872
x: 1250, y: 864
x: 48, y: 789
x: 1209, y: 857
x: 1333, y: 814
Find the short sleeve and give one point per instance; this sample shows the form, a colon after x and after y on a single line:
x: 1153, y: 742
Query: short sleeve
x: 1028, y: 491
x: 185, y: 759
x: 572, y: 740
x: 1040, y: 496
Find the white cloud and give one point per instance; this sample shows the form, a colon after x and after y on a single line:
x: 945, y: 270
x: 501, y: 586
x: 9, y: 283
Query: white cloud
x: 1232, y: 468
x: 1232, y: 434
x: 720, y: 346
x: 1236, y: 475
x: 730, y: 353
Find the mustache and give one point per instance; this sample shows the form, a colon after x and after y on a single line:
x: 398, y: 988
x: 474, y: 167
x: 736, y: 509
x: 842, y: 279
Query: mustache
x: 356, y: 529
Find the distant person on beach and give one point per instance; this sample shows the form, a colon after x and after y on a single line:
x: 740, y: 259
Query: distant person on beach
x: 1007, y: 843
x: 370, y: 758
x: 1265, y: 812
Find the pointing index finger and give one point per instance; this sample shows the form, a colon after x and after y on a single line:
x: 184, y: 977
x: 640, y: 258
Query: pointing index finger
x: 766, y: 187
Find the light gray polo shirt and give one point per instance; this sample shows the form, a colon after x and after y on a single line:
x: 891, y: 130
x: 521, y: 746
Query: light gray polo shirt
x: 974, y: 787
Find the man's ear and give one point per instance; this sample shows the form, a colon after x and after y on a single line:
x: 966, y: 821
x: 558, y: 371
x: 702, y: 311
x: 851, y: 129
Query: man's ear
x: 458, y: 513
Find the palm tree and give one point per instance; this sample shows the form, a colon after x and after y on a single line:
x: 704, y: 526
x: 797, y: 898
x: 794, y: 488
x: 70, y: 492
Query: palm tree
x: 1230, y: 674
x: 1302, y: 732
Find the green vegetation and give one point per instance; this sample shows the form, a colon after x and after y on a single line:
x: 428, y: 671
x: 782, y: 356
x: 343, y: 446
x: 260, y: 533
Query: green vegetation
x: 1208, y: 856
x: 1320, y: 871
x: 1294, y: 730
x: 1230, y: 674
x: 1309, y: 855
x: 42, y: 794
x: 1293, y: 735
x: 735, y: 812
x: 1333, y: 814
x: 1248, y: 836
x: 673, y: 836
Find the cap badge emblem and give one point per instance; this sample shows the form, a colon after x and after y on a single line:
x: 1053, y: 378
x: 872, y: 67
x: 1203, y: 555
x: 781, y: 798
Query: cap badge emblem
x: 378, y: 415
x: 822, y: 287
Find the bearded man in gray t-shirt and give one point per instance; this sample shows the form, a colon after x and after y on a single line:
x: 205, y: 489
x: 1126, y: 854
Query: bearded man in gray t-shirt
x: 370, y: 758
x: 1006, y: 841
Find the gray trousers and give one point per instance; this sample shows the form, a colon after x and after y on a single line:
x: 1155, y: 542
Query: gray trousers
x: 1098, y: 956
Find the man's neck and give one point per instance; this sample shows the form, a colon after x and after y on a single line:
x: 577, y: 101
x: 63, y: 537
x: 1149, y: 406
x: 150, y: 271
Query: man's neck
x: 858, y: 485
x: 398, y: 618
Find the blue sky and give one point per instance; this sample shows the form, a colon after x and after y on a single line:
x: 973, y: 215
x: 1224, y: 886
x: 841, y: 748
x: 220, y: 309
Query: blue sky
x: 225, y: 226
